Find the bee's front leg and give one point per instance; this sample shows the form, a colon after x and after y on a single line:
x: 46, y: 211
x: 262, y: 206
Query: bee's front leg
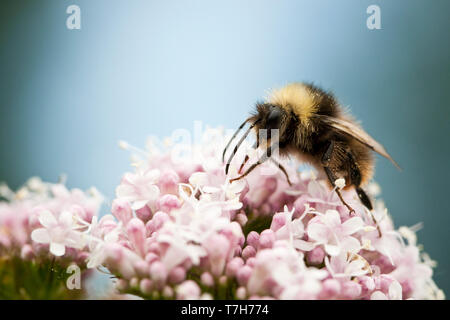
x: 261, y: 160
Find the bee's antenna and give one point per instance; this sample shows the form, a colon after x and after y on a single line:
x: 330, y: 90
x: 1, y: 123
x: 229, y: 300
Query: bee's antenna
x: 232, y: 138
x: 239, y: 144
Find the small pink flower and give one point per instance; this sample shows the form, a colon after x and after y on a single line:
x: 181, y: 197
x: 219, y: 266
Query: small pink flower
x: 121, y: 209
x: 177, y: 275
x: 217, y: 247
x: 168, y: 202
x: 58, y: 233
x: 394, y: 293
x: 139, y: 188
x: 336, y: 237
x: 188, y: 290
x: 136, y: 233
x: 347, y: 265
x: 248, y: 252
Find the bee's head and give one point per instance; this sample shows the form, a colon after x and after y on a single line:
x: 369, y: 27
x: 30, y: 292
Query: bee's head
x: 269, y: 116
x: 266, y: 117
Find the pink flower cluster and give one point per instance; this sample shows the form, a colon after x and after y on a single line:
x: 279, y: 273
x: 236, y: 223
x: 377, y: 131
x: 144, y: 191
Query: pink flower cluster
x: 46, y: 220
x: 179, y: 229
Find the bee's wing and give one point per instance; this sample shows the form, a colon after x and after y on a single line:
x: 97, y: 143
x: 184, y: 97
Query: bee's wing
x: 358, y: 133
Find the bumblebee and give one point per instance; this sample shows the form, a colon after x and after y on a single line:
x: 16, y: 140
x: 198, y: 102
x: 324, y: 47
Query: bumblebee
x: 313, y: 127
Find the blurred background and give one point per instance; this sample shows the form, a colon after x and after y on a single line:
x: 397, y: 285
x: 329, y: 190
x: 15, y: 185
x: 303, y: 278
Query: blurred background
x: 139, y: 68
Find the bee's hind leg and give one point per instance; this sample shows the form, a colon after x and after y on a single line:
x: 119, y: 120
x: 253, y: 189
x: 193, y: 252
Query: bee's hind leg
x: 364, y: 198
x: 366, y: 202
x: 355, y: 175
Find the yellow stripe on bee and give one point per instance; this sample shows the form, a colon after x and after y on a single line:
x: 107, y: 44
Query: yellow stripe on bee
x: 295, y: 97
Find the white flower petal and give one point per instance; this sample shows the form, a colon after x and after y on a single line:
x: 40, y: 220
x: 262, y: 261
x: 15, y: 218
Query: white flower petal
x: 152, y: 193
x: 47, y: 219
x: 332, y: 218
x: 125, y: 191
x: 57, y: 249
x: 209, y: 189
x: 318, y: 231
x: 378, y: 295
x: 153, y: 175
x: 304, y: 245
x: 66, y: 218
x: 332, y: 250
x: 395, y: 291
x: 40, y: 235
x: 237, y: 186
x: 350, y: 244
x: 199, y: 179
x: 138, y: 204
x: 352, y: 225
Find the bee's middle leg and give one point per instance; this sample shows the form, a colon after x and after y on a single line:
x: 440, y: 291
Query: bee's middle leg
x: 332, y: 179
x: 326, y: 159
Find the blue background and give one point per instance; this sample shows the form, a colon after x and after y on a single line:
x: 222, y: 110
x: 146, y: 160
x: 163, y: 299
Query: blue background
x: 149, y: 67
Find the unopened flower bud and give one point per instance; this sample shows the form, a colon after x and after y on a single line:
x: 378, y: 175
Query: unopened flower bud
x: 146, y: 286
x: 253, y: 239
x: 315, y: 256
x: 167, y: 292
x: 243, y: 274
x: 241, y: 293
x: 233, y: 266
x: 188, y: 290
x: 144, y: 213
x: 248, y: 252
x: 266, y: 239
x: 177, y: 275
x: 27, y: 252
x: 158, y: 272
x: 136, y: 232
x: 168, y: 202
x: 351, y: 290
x: 278, y: 220
x: 207, y: 279
x: 121, y: 209
x: 330, y: 289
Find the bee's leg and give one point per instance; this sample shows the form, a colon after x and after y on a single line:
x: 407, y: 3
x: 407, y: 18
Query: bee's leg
x: 261, y: 160
x: 255, y: 146
x: 326, y: 159
x: 282, y: 169
x: 332, y: 179
x: 355, y: 175
x: 364, y: 198
x: 243, y: 163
